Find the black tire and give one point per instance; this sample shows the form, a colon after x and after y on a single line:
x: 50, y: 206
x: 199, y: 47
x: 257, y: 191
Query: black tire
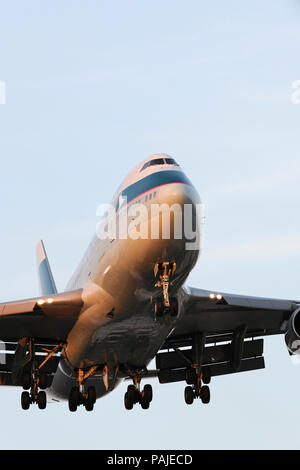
x: 42, y: 400
x: 145, y: 404
x: 72, y: 403
x: 26, y: 381
x: 206, y: 376
x: 72, y: 406
x: 190, y: 376
x: 127, y: 402
x: 134, y: 394
x: 205, y: 394
x: 43, y: 381
x: 189, y: 395
x: 148, y: 393
x: 74, y: 399
x: 89, y: 406
x: 91, y: 395
x: 25, y: 400
x: 76, y: 395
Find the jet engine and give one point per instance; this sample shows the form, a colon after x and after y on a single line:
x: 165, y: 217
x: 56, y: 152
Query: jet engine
x: 292, y: 335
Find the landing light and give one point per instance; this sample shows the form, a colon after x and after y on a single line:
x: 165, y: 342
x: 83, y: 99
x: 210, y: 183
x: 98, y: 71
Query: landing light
x: 41, y: 302
x: 216, y: 296
x: 50, y: 301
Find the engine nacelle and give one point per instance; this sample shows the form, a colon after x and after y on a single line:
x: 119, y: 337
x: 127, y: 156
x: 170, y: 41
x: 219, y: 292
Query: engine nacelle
x: 292, y: 336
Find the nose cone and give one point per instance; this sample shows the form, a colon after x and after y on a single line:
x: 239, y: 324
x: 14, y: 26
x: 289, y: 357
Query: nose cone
x: 181, y: 193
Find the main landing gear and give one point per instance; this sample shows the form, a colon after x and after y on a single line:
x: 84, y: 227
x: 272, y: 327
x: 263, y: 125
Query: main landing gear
x: 195, y: 389
x: 135, y: 395
x: 34, y: 380
x: 81, y: 396
x: 165, y: 305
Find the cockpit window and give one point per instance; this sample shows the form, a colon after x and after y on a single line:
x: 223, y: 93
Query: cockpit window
x: 171, y: 161
x: 160, y: 161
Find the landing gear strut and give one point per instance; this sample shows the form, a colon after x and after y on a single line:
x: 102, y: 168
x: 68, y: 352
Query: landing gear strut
x: 166, y: 304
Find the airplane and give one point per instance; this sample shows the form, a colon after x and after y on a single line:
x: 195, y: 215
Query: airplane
x: 128, y: 304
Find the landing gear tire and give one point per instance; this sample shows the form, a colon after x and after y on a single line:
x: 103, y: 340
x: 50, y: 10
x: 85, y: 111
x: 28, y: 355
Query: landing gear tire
x: 43, y: 381
x: 26, y: 381
x: 74, y: 399
x: 205, y: 394
x: 148, y: 393
x: 128, y: 401
x: 25, y: 400
x: 189, y: 395
x: 132, y: 394
x: 206, y: 377
x: 145, y: 404
x: 190, y: 376
x: 89, y: 406
x: 91, y: 395
x: 42, y: 400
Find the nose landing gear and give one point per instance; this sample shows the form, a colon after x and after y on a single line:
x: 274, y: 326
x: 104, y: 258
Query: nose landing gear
x: 165, y: 305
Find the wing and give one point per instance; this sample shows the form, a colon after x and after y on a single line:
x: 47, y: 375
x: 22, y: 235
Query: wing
x: 43, y: 317
x: 39, y: 324
x: 218, y: 333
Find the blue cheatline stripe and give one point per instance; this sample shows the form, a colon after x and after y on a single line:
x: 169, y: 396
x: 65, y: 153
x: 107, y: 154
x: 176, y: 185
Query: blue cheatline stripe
x: 150, y: 182
x: 46, y: 280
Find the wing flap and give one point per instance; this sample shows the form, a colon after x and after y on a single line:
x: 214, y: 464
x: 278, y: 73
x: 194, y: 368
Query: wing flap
x: 178, y: 375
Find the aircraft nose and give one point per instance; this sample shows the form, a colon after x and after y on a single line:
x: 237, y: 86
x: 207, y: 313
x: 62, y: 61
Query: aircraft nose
x: 181, y: 194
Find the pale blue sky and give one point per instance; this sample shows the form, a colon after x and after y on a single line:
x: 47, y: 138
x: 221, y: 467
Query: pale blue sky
x: 93, y: 88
